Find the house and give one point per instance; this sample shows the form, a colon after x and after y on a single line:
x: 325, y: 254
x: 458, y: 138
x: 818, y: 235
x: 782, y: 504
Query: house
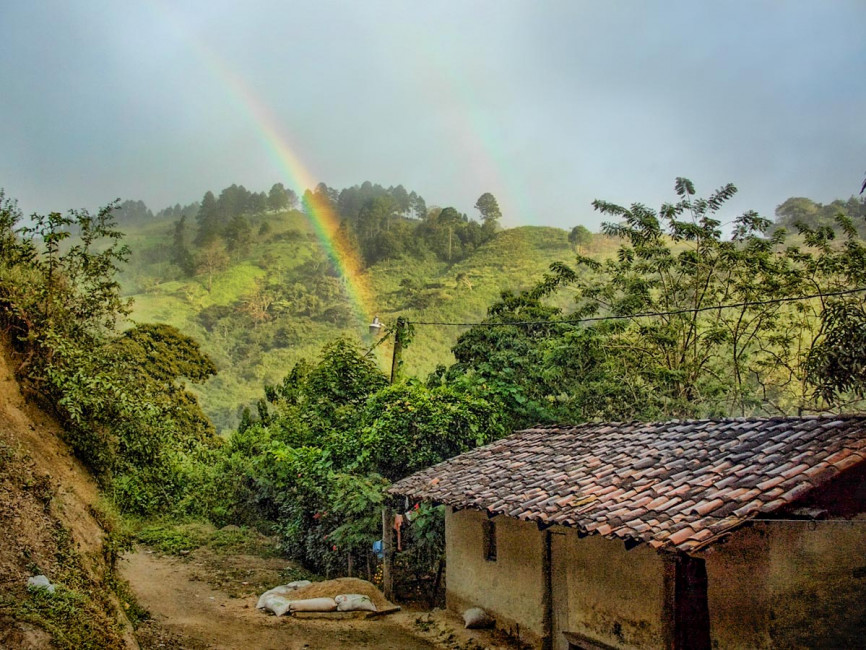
x: 733, y: 533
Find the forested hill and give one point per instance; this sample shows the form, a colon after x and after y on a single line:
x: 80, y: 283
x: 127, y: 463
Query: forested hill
x: 259, y: 293
x: 800, y: 210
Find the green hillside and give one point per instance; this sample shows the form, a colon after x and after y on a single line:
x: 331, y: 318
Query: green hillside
x: 280, y: 300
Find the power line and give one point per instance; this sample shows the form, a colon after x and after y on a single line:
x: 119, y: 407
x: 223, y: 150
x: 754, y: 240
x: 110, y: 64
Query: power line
x: 810, y: 521
x: 594, y: 319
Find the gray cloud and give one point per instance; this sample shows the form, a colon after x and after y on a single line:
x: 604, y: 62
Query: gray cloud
x: 548, y: 105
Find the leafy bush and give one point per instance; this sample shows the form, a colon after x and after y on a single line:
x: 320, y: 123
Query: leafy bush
x: 410, y: 426
x: 119, y: 395
x: 328, y: 441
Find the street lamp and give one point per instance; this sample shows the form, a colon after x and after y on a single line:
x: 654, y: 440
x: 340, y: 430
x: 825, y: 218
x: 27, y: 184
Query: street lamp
x: 398, y: 331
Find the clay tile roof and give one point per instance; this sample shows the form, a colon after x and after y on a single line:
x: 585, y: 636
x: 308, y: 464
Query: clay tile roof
x: 678, y: 484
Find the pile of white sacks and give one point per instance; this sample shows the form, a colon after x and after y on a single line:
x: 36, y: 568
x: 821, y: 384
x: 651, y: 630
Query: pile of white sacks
x: 279, y: 601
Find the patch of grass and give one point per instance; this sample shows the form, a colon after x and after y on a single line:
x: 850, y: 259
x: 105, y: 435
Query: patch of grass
x: 182, y: 538
x: 233, y: 283
x: 231, y: 540
x: 134, y: 611
x: 160, y: 309
x: 70, y: 616
x: 174, y: 539
x: 118, y: 539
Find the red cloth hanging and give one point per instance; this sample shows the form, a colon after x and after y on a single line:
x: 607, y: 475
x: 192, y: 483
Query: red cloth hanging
x: 398, y: 524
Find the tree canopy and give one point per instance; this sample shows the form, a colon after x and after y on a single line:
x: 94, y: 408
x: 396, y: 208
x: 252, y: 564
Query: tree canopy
x: 689, y: 323
x: 580, y: 236
x: 489, y: 209
x: 799, y: 210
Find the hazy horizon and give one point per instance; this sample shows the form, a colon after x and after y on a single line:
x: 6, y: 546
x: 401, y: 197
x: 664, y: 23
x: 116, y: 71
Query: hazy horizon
x: 546, y: 105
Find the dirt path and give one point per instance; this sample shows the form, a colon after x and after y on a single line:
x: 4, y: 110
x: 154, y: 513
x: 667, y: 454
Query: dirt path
x: 188, y: 613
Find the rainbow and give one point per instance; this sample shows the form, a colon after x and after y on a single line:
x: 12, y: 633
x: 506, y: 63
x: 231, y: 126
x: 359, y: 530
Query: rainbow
x: 324, y: 220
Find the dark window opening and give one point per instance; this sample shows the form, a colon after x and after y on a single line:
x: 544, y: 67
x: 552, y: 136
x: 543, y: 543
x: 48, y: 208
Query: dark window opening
x: 489, y: 533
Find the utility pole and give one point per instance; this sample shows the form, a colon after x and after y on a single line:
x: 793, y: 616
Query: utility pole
x: 399, y: 330
x: 402, y: 334
x: 387, y: 553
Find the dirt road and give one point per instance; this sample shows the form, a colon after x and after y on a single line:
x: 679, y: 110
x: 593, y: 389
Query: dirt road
x: 188, y: 613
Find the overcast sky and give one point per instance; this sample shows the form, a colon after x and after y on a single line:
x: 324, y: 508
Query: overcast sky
x: 547, y: 105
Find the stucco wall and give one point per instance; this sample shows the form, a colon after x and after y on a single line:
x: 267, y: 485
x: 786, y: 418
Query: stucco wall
x: 738, y: 590
x: 789, y: 584
x: 613, y: 595
x: 511, y: 587
x: 770, y: 585
x: 818, y: 584
x: 599, y: 589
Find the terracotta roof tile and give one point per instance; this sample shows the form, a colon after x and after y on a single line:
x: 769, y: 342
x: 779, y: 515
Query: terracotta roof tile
x: 682, y: 535
x: 671, y: 484
x: 770, y: 483
x: 849, y: 461
x: 747, y: 510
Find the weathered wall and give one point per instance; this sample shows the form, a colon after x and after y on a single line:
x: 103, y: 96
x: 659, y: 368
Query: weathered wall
x: 818, y: 584
x: 599, y: 589
x: 509, y: 588
x: 789, y: 584
x: 613, y: 595
x: 738, y: 590
x: 770, y: 585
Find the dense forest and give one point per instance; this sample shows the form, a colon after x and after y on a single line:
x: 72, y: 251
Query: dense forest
x: 382, y: 223
x: 664, y: 314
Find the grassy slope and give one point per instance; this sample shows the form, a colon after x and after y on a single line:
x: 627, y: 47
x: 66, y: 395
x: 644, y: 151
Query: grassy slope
x: 514, y: 260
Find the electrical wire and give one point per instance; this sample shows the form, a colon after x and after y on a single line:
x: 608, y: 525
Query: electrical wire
x: 594, y: 319
x: 812, y: 521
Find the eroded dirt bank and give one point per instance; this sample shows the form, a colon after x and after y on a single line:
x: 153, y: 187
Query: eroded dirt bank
x: 50, y: 524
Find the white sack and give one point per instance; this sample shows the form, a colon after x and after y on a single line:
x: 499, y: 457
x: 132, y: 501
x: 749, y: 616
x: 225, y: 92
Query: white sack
x: 282, y: 590
x: 313, y: 605
x: 354, y: 603
x: 476, y: 618
x: 40, y: 582
x: 279, y: 605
